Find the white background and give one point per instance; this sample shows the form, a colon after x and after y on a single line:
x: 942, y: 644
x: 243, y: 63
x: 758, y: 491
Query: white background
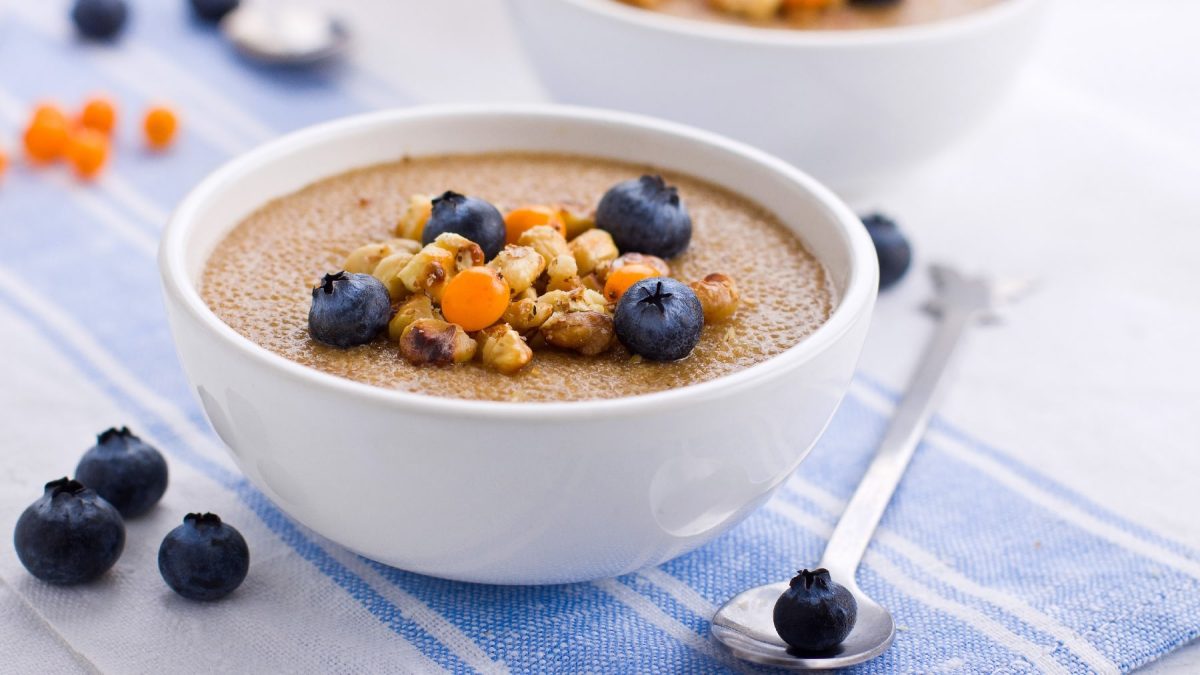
x: 1088, y: 179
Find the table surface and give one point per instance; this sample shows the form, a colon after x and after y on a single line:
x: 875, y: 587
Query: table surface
x: 1085, y: 180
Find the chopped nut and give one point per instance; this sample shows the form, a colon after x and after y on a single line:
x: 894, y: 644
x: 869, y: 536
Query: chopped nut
x: 576, y: 223
x: 546, y: 241
x: 435, y: 342
x: 466, y: 252
x: 577, y: 300
x: 520, y: 266
x: 592, y: 248
x: 660, y: 265
x: 527, y: 314
x: 562, y: 274
x: 428, y: 270
x: 388, y: 271
x: 417, y: 307
x: 410, y: 245
x: 757, y: 10
x: 592, y: 283
x: 363, y: 259
x: 502, y: 349
x: 412, y: 222
x: 718, y: 296
x: 588, y: 333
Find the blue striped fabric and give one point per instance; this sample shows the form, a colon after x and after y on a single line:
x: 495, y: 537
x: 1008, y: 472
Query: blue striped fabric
x: 988, y: 565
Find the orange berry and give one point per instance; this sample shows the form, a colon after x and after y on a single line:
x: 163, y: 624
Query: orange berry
x: 519, y: 220
x: 48, y: 111
x: 100, y: 114
x: 475, y: 298
x: 88, y: 151
x: 160, y: 125
x: 46, y: 138
x: 620, y: 279
x: 3, y: 161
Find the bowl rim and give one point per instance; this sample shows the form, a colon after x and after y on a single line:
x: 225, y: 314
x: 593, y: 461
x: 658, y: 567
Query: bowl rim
x: 859, y: 294
x: 840, y: 38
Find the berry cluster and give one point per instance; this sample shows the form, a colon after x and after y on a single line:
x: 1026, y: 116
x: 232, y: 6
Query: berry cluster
x: 76, y: 531
x: 84, y: 140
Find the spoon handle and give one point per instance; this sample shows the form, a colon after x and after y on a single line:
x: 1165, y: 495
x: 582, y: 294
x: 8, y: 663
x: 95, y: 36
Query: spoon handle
x: 853, y: 532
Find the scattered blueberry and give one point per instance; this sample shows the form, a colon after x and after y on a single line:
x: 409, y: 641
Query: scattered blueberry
x: 892, y: 247
x: 70, y: 535
x: 469, y: 217
x: 125, y: 470
x: 348, y: 309
x: 213, y: 10
x: 659, y: 318
x: 203, y: 559
x: 99, y: 19
x: 645, y: 215
x: 815, y: 613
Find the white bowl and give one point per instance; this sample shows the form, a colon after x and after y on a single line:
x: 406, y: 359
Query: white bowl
x: 854, y: 108
x: 514, y: 492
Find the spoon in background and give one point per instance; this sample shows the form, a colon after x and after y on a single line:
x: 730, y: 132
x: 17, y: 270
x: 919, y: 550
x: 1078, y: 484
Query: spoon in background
x: 745, y: 623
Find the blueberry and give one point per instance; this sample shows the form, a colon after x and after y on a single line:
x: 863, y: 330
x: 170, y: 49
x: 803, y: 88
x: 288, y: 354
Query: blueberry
x: 70, y: 535
x: 203, y: 559
x: 213, y: 10
x: 659, y: 318
x: 892, y: 247
x: 815, y: 613
x: 645, y: 215
x: 469, y: 217
x: 125, y: 470
x: 348, y: 309
x: 99, y: 19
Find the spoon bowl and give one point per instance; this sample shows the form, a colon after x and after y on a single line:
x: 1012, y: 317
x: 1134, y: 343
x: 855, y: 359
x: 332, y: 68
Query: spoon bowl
x: 744, y: 625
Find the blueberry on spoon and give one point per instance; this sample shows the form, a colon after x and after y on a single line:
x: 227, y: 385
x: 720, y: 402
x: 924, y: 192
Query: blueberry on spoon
x: 126, y: 471
x: 659, y: 318
x: 815, y: 613
x: 348, y: 309
x: 70, y: 535
x: 468, y: 217
x: 891, y: 246
x: 645, y: 215
x: 204, y: 558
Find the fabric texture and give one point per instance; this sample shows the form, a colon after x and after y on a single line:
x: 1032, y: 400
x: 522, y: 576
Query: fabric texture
x: 988, y: 564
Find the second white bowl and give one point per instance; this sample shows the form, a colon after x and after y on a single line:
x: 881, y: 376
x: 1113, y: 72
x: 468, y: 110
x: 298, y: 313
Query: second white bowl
x: 854, y: 108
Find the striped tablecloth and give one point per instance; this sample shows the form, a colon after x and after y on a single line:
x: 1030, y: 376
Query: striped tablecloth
x: 989, y: 563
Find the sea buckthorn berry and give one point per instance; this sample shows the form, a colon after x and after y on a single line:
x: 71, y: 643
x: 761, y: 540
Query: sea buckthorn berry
x: 620, y: 279
x: 160, y: 125
x: 100, y: 114
x: 48, y: 111
x: 46, y: 137
x: 475, y: 298
x: 519, y: 220
x: 87, y: 151
x: 3, y: 161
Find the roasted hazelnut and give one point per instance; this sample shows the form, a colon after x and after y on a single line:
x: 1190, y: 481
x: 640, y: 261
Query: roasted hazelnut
x: 718, y: 296
x: 588, y: 333
x: 435, y: 342
x: 502, y: 349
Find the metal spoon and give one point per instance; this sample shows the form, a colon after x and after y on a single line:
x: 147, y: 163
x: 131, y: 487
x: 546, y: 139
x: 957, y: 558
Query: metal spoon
x: 285, y: 34
x: 744, y: 624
